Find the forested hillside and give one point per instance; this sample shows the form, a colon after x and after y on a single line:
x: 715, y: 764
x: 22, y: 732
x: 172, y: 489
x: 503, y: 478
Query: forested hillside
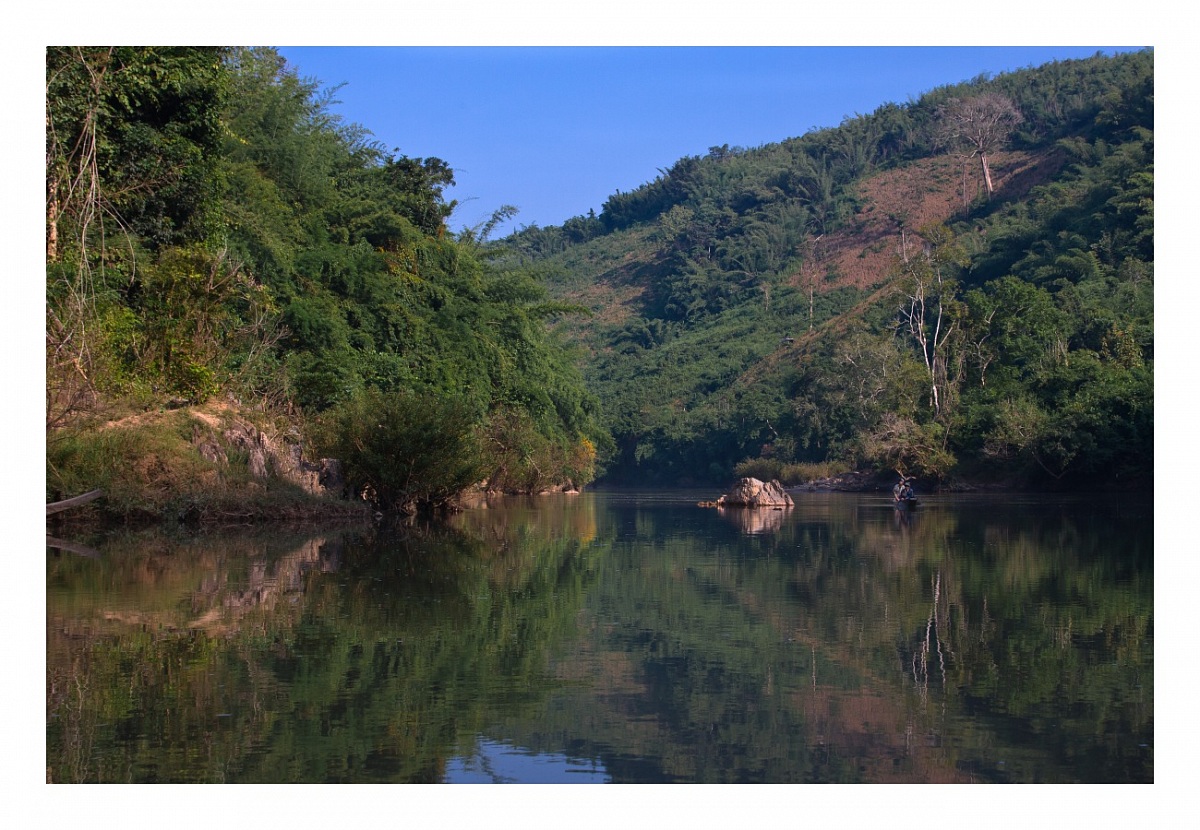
x: 960, y: 287
x: 215, y: 233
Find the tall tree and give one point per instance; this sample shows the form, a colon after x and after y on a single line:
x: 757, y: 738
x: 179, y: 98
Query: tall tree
x: 982, y: 124
x: 130, y: 140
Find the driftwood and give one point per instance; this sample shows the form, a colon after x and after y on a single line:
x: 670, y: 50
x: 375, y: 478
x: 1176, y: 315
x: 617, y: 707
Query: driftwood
x: 65, y: 504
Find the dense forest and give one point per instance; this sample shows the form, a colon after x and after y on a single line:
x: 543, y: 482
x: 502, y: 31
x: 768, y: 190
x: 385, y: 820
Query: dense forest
x: 960, y: 287
x: 216, y: 233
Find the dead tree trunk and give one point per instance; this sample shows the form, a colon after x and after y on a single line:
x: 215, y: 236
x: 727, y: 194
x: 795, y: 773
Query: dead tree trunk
x: 75, y: 501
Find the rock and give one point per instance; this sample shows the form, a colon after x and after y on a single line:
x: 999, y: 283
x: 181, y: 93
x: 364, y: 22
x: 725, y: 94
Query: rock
x: 330, y: 476
x: 750, y: 492
x: 248, y: 439
x: 267, y: 456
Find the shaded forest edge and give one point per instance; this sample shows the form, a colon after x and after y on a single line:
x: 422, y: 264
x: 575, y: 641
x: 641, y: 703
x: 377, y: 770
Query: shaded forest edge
x: 241, y: 287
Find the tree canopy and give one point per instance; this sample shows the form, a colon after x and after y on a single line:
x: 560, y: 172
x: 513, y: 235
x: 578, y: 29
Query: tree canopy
x: 213, y: 228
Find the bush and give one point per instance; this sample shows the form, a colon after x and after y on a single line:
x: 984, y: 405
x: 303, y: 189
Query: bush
x: 518, y: 458
x: 401, y: 450
x: 899, y: 443
x: 804, y: 472
x: 764, y: 469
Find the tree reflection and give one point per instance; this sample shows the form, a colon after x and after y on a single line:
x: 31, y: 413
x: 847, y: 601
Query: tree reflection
x: 973, y: 642
x: 351, y: 657
x: 848, y: 646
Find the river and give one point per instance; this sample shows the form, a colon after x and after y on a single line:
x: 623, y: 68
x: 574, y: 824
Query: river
x: 616, y: 637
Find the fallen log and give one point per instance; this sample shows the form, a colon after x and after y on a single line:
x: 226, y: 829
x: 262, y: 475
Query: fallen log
x: 75, y: 501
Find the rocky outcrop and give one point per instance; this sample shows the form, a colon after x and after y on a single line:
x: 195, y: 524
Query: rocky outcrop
x: 750, y: 492
x: 265, y: 456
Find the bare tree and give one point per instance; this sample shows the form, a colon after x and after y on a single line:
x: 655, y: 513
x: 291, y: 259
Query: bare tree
x: 930, y: 312
x: 981, y: 124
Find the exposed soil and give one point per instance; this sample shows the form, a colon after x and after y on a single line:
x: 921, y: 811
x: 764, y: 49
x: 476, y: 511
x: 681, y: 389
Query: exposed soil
x: 898, y: 202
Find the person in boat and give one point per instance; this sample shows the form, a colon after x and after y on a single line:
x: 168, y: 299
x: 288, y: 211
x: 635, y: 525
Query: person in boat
x: 903, y: 490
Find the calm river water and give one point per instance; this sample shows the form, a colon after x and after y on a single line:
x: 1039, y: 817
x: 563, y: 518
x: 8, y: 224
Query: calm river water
x: 617, y: 637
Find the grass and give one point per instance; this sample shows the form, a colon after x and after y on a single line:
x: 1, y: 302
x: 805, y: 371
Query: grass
x: 150, y: 467
x: 771, y: 469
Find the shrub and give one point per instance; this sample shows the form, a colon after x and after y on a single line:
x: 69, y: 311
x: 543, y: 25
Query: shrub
x: 899, y: 443
x: 517, y: 457
x: 401, y: 450
x: 767, y: 469
x: 764, y: 469
x: 805, y: 472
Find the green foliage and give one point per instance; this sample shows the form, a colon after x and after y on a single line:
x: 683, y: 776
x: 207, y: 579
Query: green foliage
x: 400, y: 450
x: 281, y: 255
x: 131, y: 138
x: 907, y: 445
x: 768, y: 469
x: 517, y: 457
x: 950, y: 365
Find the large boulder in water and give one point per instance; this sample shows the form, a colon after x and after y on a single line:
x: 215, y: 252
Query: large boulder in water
x: 750, y: 492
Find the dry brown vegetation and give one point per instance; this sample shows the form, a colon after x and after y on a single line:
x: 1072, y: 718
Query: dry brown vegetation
x: 900, y: 201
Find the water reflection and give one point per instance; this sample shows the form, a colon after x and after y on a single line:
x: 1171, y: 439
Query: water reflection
x: 753, y: 522
x: 497, y: 762
x: 616, y: 637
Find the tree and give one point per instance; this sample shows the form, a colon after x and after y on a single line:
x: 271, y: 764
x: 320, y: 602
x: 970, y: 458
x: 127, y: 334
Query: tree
x: 131, y: 134
x: 403, y: 450
x: 982, y: 124
x: 130, y: 141
x: 930, y: 312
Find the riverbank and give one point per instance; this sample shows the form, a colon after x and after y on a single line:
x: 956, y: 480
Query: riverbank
x: 224, y: 463
x: 219, y: 463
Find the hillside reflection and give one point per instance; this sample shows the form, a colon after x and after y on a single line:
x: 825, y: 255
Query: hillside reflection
x: 595, y: 638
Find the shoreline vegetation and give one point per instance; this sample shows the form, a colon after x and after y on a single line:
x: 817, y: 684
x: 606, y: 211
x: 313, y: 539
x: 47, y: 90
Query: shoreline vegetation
x: 192, y: 465
x: 218, y: 465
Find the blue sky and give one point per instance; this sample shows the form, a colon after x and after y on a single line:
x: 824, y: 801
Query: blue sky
x: 555, y: 131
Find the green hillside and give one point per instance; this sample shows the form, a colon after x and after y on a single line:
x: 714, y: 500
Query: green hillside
x: 960, y: 287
